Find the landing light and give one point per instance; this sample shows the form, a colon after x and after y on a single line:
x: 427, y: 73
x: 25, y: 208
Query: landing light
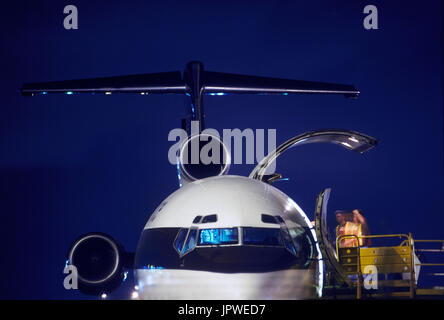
x: 134, y: 295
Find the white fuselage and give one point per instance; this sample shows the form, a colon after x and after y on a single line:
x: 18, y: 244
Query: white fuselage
x: 228, y: 237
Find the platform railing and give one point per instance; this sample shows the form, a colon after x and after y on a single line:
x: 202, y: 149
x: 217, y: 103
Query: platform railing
x: 423, y: 264
x: 407, y: 242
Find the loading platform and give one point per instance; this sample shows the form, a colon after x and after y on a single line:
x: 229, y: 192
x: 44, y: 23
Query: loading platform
x: 387, y: 271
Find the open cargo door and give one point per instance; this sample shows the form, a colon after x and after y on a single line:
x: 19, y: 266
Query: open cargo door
x: 351, y: 140
x: 325, y: 245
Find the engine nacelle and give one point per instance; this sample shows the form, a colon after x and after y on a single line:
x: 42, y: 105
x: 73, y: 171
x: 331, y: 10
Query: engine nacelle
x: 202, y: 156
x: 99, y: 260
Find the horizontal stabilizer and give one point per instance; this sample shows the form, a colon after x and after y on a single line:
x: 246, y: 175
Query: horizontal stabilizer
x: 216, y: 82
x: 208, y: 82
x: 165, y: 82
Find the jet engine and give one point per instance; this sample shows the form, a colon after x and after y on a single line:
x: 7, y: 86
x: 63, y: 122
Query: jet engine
x: 201, y: 156
x: 100, y: 261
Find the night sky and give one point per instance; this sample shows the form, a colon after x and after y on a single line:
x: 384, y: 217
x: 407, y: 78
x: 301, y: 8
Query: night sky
x: 75, y: 164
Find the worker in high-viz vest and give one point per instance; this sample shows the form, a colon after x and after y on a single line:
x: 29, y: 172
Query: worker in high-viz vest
x: 352, y: 223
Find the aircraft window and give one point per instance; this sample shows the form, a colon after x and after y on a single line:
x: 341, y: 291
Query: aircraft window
x: 262, y: 236
x: 210, y: 218
x: 279, y: 219
x: 302, y: 244
x: 218, y: 236
x: 191, y: 241
x: 197, y: 219
x: 266, y: 218
x: 288, y: 241
x: 180, y: 238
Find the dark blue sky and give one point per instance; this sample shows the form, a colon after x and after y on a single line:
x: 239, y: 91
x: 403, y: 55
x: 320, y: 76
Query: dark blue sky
x: 75, y: 164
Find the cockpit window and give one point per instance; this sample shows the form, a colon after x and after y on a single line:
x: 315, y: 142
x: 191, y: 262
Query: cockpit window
x: 191, y: 241
x: 266, y: 218
x: 279, y: 219
x: 197, y: 219
x: 262, y: 236
x: 210, y: 218
x: 218, y: 236
x: 294, y: 240
x: 180, y: 239
x: 289, y: 244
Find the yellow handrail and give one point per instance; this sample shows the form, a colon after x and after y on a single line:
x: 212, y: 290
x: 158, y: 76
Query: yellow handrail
x: 400, y: 235
x: 407, y: 242
x: 430, y: 264
x: 358, y: 283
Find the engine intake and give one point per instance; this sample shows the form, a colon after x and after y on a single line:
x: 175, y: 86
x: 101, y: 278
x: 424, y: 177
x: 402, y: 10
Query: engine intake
x: 99, y: 260
x: 201, y: 156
